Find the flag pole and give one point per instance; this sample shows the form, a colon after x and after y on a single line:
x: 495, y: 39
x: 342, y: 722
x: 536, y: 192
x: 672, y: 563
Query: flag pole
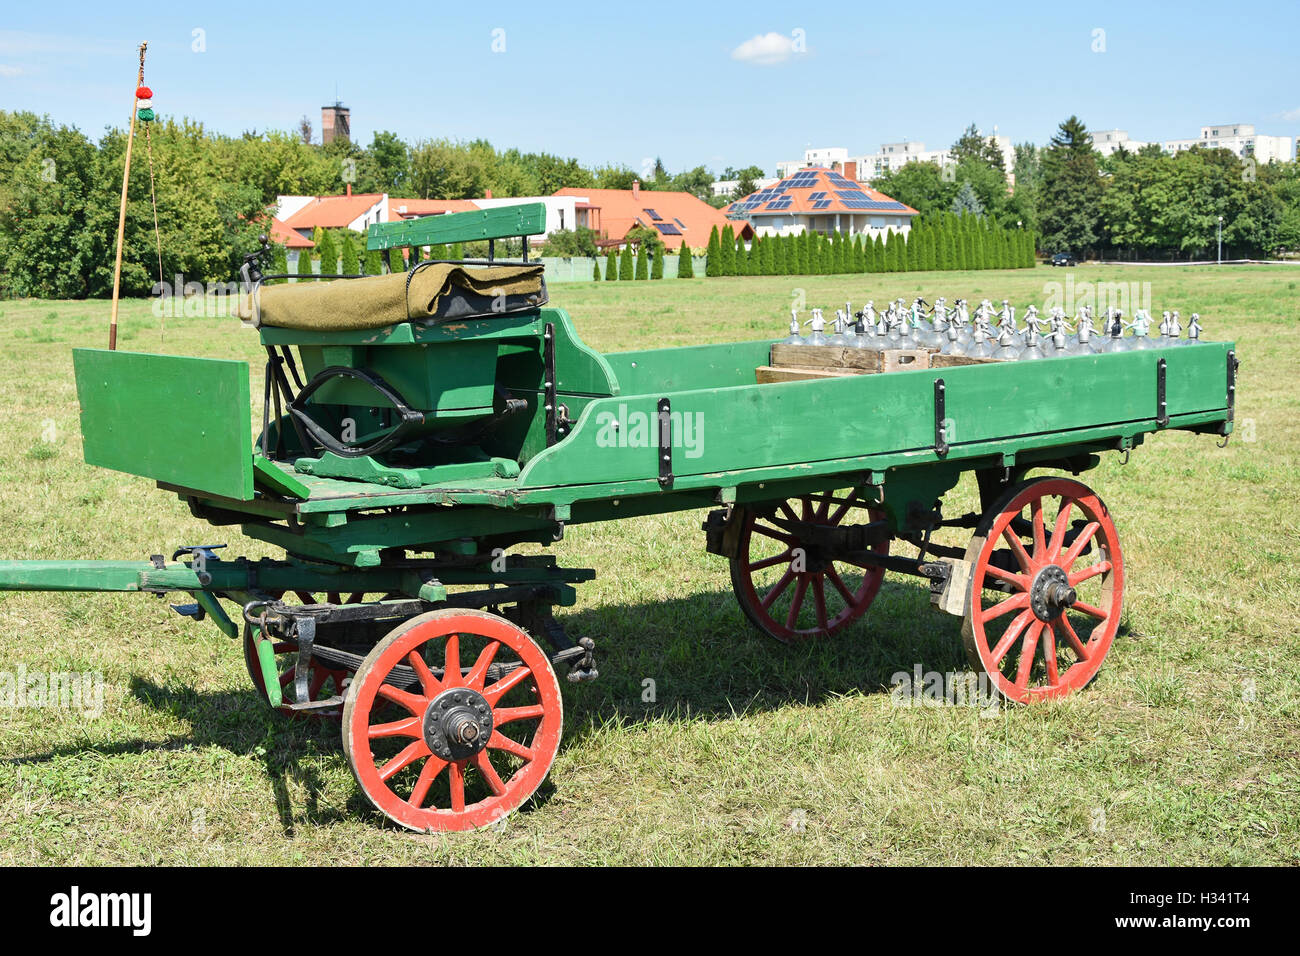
x: 121, y: 215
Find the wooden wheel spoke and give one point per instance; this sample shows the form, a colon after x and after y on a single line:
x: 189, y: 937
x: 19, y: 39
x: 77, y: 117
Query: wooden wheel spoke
x: 849, y: 597
x: 428, y: 682
x: 478, y: 673
x: 1049, y: 655
x: 1078, y: 577
x: 1019, y: 580
x: 789, y: 512
x: 775, y: 535
x: 451, y: 676
x: 1072, y: 638
x: 1057, y: 540
x: 1089, y: 610
x: 1018, y: 548
x: 412, y: 702
x: 1027, y: 650
x: 484, y: 766
x: 506, y: 715
x: 1040, y: 535
x: 1081, y: 542
x: 506, y: 684
x: 499, y: 741
x: 1005, y: 607
x: 776, y: 590
x: 819, y: 597
x: 406, y: 727
x: 782, y: 558
x: 1010, y: 636
x: 796, y: 603
x: 456, y: 783
x: 842, y: 509
x: 409, y: 754
x: 428, y: 773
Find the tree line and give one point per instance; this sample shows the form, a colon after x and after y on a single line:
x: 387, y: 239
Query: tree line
x: 942, y: 241
x: 60, y: 190
x: 1129, y: 205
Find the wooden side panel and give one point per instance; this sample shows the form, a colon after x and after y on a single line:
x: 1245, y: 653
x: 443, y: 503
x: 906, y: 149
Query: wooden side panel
x: 991, y: 408
x: 185, y: 421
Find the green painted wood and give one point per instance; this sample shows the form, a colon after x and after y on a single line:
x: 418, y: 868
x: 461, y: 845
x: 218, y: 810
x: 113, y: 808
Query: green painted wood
x: 512, y: 325
x: 71, y: 575
x: 795, y: 424
x: 182, y: 420
x: 501, y: 222
x: 270, y: 475
x: 679, y: 369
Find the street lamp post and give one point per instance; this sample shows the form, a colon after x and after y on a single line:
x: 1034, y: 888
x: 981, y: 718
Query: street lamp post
x: 1219, y: 231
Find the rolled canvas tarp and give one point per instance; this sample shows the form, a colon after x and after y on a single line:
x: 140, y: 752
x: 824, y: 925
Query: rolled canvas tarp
x: 440, y: 290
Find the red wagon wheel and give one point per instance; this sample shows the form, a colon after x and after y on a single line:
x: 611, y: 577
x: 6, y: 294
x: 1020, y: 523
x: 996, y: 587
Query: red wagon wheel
x: 438, y: 744
x: 791, y: 588
x: 1047, y: 590
x: 323, y: 683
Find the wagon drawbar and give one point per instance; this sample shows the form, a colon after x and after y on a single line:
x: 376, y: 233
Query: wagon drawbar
x: 417, y: 426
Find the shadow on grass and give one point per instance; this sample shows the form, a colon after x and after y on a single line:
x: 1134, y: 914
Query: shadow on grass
x: 691, y: 658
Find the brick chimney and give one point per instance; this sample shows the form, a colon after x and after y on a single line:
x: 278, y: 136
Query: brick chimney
x: 487, y: 194
x: 636, y: 189
x: 349, y: 190
x: 851, y: 171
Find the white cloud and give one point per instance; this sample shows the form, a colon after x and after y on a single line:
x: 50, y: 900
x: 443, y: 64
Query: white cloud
x: 766, y: 49
x: 7, y: 70
x: 1291, y: 116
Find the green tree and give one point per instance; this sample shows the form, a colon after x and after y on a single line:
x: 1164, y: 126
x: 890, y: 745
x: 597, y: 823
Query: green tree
x: 685, y: 268
x: 351, y: 265
x: 611, y: 267
x: 1069, y: 211
x: 595, y: 269
x: 374, y: 264
x: 642, y: 267
x: 304, y: 263
x: 713, y: 254
x: 626, y: 267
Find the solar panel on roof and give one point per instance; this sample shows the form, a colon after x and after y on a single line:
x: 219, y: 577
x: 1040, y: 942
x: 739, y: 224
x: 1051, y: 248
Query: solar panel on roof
x: 820, y: 194
x: 668, y: 229
x: 821, y: 204
x: 779, y: 204
x: 653, y: 215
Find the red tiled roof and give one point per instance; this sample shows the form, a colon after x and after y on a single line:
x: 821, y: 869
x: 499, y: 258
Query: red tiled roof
x: 817, y: 191
x: 332, y: 212
x: 682, y: 217
x: 282, y: 234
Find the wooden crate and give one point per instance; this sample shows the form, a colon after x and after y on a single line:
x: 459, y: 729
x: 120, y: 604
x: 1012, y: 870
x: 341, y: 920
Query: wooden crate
x: 938, y: 360
x: 789, y: 373
x: 858, y: 361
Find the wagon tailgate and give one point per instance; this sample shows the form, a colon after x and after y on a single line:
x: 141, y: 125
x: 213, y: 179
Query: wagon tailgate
x: 182, y: 420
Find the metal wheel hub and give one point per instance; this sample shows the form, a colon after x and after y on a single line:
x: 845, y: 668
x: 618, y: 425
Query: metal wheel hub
x: 457, y: 724
x: 1050, y: 594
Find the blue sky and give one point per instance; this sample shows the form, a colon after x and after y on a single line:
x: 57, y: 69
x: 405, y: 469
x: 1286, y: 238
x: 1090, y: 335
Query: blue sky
x: 616, y: 83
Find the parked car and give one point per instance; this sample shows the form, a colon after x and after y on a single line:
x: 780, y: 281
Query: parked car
x: 1064, y: 259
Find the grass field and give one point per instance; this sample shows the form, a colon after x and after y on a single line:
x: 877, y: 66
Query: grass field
x: 1183, y: 751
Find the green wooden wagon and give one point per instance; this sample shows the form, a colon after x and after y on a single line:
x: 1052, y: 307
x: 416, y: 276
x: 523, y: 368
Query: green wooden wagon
x: 416, y: 427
